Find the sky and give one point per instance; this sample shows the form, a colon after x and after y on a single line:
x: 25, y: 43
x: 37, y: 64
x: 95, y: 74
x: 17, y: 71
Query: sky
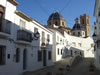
x: 40, y: 10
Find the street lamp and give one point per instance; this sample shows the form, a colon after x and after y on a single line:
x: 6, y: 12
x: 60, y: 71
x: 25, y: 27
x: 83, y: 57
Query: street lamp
x: 36, y: 35
x: 94, y: 37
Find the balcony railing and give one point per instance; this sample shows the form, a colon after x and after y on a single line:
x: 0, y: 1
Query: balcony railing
x: 24, y: 35
x: 5, y: 27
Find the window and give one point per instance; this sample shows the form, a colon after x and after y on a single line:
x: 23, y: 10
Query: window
x: 39, y: 55
x: 95, y: 28
x: 17, y: 55
x: 83, y: 33
x: 73, y: 33
x: 43, y: 37
x: 49, y: 55
x: 48, y: 38
x: 35, y: 30
x: 82, y: 21
x: 78, y: 33
x: 61, y: 51
x: 79, y: 44
x: 68, y: 32
x: 74, y: 44
x: 58, y: 51
x: 49, y: 23
x: 58, y: 38
x: 92, y: 45
x: 87, y: 21
x: 62, y: 23
x: 22, y: 24
x: 99, y: 14
x: 56, y: 23
x: 2, y: 55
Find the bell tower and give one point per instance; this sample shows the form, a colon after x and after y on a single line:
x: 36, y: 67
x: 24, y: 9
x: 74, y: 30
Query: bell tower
x: 84, y: 20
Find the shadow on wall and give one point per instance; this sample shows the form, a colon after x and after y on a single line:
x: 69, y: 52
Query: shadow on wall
x: 72, y: 52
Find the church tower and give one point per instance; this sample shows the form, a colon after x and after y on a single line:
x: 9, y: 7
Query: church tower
x: 84, y: 20
x: 56, y: 19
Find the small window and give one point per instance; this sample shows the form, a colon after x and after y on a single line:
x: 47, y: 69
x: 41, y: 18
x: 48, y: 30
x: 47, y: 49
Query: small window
x: 58, y: 38
x: 95, y: 28
x: 49, y: 55
x: 35, y: 30
x: 74, y: 44
x: 62, y: 23
x: 80, y: 44
x: 78, y: 33
x: 61, y: 51
x: 39, y: 55
x: 22, y: 24
x: 49, y: 23
x: 68, y: 32
x: 43, y: 37
x: 92, y: 45
x: 99, y: 14
x: 73, y: 33
x: 58, y: 51
x: 48, y: 38
x: 82, y: 21
x: 56, y: 23
x: 17, y: 55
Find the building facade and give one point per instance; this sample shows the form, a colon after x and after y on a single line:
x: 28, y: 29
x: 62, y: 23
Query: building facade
x: 96, y: 35
x: 25, y: 45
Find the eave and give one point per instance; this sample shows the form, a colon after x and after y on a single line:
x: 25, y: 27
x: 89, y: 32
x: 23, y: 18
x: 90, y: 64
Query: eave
x: 19, y: 13
x: 13, y: 2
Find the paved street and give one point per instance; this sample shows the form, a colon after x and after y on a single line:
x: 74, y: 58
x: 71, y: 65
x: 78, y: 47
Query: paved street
x: 82, y: 68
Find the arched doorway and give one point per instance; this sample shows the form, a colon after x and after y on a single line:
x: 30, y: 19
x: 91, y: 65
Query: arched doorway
x: 24, y: 59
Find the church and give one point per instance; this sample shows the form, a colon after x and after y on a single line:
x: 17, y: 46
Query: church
x: 68, y: 41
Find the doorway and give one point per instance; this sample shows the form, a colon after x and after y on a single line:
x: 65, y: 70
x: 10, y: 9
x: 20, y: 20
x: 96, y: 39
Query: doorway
x: 24, y: 59
x: 44, y: 57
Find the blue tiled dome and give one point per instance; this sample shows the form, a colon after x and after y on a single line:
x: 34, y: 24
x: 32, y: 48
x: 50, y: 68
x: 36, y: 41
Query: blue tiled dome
x: 78, y: 27
x: 55, y: 15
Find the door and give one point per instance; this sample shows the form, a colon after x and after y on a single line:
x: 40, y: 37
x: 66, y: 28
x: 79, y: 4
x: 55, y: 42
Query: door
x: 44, y: 58
x: 24, y: 59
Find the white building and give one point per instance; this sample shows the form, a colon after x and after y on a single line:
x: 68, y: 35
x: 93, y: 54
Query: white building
x: 26, y: 45
x: 21, y: 48
x: 96, y: 35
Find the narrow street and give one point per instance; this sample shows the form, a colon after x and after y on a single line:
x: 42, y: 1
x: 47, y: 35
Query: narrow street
x: 81, y: 68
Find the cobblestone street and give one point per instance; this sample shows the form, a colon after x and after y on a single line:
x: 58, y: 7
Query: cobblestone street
x: 82, y: 68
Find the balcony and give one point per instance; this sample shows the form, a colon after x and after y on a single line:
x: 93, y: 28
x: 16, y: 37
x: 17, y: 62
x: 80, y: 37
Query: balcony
x: 5, y: 29
x: 24, y: 37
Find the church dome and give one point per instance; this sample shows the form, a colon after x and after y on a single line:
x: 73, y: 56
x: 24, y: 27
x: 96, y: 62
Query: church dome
x: 77, y: 25
x: 55, y: 15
